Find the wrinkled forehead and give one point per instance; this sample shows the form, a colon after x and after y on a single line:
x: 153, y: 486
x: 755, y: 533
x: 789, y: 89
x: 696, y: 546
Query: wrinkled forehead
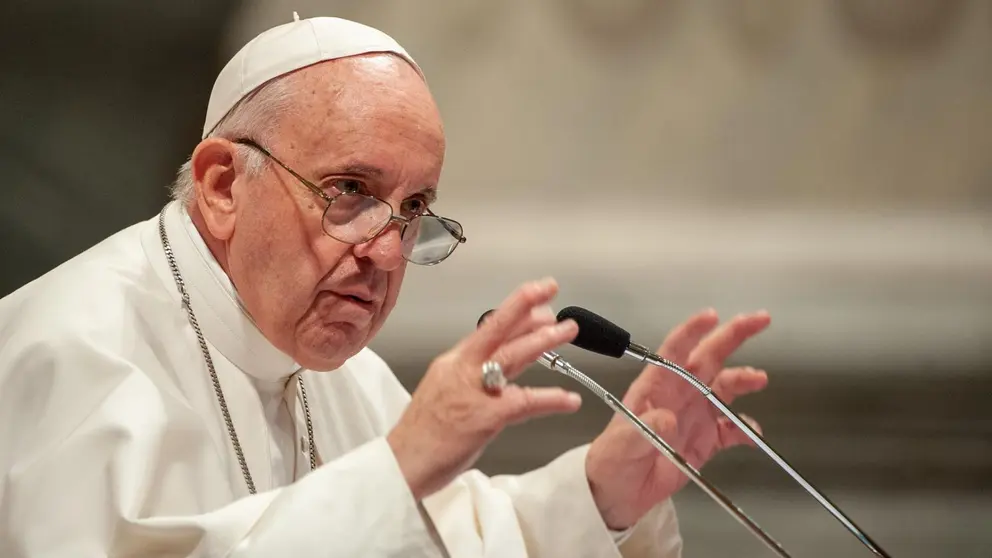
x: 370, y: 102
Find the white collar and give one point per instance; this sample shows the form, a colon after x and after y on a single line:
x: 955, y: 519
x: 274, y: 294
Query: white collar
x: 219, y: 312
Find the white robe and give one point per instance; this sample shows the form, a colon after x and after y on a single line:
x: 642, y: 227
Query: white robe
x: 112, y: 442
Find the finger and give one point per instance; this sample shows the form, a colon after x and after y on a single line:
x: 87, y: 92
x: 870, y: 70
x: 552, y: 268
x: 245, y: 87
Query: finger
x: 680, y: 342
x: 520, y: 403
x: 521, y: 352
x: 495, y: 329
x: 539, y: 317
x: 732, y: 383
x: 730, y: 435
x: 708, y: 357
x: 658, y: 382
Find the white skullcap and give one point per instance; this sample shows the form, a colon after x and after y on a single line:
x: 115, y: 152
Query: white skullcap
x: 290, y: 47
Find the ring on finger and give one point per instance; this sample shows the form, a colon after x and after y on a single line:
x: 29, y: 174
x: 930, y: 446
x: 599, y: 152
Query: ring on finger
x: 493, y: 379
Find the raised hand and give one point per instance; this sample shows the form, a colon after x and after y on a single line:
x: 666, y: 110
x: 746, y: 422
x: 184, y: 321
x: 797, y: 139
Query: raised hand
x: 452, y: 417
x: 626, y: 474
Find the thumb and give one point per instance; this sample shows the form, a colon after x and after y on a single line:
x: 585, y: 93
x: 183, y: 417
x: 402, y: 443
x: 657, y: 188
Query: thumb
x: 629, y: 440
x: 520, y: 404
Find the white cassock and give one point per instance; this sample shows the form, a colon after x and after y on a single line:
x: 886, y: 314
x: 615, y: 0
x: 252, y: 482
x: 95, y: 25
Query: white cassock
x: 112, y: 442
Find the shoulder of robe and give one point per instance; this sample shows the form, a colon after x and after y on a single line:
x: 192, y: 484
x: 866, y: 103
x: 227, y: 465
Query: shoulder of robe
x: 99, y: 296
x: 75, y: 333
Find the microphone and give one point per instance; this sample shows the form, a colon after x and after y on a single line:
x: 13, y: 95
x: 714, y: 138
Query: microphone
x: 601, y: 336
x: 553, y: 361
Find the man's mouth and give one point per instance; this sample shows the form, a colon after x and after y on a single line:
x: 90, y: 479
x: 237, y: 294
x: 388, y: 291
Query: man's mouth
x: 358, y: 296
x: 363, y: 298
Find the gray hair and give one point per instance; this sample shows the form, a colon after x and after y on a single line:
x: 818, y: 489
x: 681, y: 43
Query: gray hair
x: 256, y: 116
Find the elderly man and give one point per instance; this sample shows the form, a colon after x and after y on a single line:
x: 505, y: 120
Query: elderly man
x: 199, y: 384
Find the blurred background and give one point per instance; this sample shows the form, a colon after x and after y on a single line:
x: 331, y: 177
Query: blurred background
x: 828, y: 161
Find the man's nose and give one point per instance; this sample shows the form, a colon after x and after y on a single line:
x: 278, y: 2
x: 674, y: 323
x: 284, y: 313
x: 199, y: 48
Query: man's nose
x: 385, y: 250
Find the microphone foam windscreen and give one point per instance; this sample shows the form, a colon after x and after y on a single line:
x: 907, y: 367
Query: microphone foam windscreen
x: 596, y: 333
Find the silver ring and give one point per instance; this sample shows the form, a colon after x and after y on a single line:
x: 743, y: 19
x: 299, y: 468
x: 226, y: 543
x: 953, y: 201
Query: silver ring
x: 492, y: 376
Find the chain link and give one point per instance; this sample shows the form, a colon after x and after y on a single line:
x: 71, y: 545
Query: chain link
x: 232, y: 433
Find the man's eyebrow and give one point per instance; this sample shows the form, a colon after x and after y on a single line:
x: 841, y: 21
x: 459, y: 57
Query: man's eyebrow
x: 429, y: 193
x: 363, y: 170
x: 359, y: 169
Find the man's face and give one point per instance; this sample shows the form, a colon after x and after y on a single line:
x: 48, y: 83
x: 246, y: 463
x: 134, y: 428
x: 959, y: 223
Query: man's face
x: 366, y: 122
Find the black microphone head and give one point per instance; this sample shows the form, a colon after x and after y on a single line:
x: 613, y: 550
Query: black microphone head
x: 483, y: 317
x: 596, y: 333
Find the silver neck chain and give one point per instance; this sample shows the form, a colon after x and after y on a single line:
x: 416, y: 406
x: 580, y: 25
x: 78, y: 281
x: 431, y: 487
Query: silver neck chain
x: 181, y: 285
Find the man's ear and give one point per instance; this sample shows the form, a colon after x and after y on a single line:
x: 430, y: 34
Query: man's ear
x: 213, y: 171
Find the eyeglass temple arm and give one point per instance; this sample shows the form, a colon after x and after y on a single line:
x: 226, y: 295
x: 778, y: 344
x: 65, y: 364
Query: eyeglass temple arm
x: 310, y: 185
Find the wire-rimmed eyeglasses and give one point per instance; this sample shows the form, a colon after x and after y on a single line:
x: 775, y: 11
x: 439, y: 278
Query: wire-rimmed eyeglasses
x: 355, y: 217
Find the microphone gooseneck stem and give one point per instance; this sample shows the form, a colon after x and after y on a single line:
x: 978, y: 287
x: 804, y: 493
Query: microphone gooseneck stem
x: 642, y: 354
x: 554, y: 362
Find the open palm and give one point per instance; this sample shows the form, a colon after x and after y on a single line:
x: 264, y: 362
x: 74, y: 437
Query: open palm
x: 626, y: 473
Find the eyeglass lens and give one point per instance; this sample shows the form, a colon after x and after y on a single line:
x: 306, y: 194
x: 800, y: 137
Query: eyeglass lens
x: 356, y: 218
